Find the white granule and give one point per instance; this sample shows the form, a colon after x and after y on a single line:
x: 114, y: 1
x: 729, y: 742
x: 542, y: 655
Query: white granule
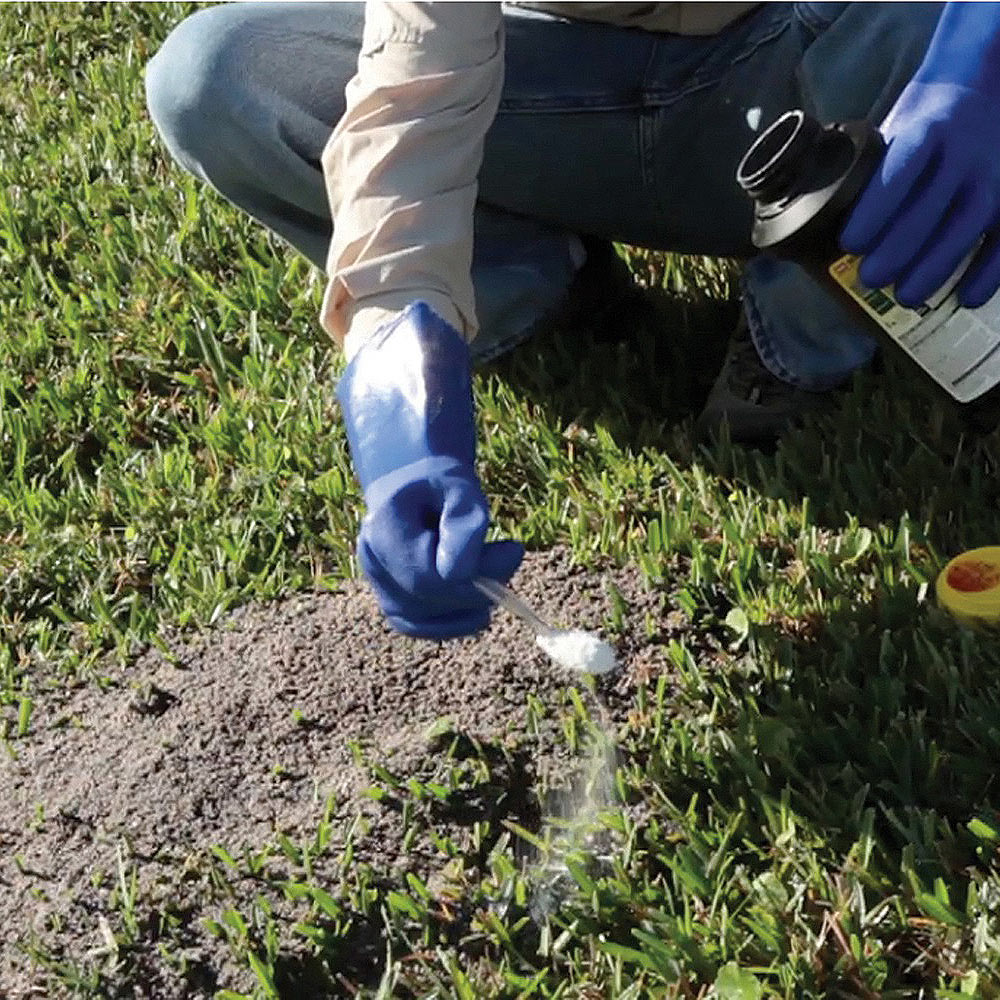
x: 579, y: 650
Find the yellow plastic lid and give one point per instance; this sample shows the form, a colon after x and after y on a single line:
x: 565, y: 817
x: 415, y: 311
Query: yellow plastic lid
x: 969, y: 586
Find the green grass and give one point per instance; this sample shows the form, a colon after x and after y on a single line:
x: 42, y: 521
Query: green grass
x: 814, y: 814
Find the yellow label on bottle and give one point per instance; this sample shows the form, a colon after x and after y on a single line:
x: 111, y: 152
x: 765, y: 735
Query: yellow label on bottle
x: 879, y: 303
x: 958, y: 348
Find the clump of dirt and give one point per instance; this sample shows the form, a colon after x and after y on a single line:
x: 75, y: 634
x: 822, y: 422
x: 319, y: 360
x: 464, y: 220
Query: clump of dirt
x: 248, y: 728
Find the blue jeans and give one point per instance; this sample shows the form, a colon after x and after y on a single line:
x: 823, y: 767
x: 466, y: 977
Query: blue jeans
x: 610, y: 132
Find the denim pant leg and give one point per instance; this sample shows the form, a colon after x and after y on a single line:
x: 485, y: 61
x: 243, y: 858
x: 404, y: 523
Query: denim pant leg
x: 636, y: 137
x: 862, y: 57
x: 245, y: 97
x: 243, y: 102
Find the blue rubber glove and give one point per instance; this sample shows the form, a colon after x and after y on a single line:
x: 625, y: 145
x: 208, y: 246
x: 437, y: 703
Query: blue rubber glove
x: 938, y: 189
x: 406, y: 397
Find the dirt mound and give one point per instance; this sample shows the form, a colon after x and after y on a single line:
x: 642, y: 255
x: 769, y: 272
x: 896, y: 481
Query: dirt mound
x: 250, y: 727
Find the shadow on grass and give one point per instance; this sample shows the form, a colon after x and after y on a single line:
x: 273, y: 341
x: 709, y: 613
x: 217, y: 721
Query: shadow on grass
x: 875, y: 723
x: 848, y: 758
x: 888, y: 706
x: 641, y: 367
x: 889, y: 449
x: 638, y: 364
x: 347, y: 964
x: 490, y: 783
x: 875, y: 726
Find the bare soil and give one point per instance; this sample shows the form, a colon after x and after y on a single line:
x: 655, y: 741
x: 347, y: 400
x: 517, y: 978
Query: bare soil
x: 266, y: 723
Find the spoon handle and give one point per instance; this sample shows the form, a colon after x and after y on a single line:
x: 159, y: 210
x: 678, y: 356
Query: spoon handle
x: 506, y: 598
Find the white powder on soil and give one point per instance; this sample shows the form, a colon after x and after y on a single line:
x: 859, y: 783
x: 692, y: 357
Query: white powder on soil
x: 579, y: 650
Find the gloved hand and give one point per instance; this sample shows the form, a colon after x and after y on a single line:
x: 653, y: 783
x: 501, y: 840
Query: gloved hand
x: 406, y: 397
x: 938, y: 189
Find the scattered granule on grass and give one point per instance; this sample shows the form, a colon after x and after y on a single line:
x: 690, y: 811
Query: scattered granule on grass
x: 259, y: 720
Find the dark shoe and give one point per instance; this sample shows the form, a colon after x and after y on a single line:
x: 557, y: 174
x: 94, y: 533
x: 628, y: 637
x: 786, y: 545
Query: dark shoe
x: 601, y: 287
x: 757, y: 406
x: 591, y: 302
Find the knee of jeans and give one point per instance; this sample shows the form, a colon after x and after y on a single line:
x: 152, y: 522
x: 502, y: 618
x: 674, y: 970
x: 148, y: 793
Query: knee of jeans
x: 818, y: 16
x: 190, y: 86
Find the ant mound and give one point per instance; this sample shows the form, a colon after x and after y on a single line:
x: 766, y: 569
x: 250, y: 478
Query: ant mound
x: 277, y: 721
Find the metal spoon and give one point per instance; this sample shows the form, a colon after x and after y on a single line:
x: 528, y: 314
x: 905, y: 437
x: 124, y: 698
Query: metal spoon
x: 571, y: 648
x: 506, y: 598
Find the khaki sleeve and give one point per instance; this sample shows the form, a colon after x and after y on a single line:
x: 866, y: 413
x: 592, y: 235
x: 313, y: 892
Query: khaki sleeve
x: 401, y: 165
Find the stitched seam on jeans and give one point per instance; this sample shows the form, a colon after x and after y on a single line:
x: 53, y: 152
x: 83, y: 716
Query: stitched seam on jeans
x: 755, y: 325
x: 560, y: 105
x: 647, y: 151
x: 646, y: 131
x: 499, y: 347
x: 626, y: 100
x: 811, y: 20
x: 665, y: 98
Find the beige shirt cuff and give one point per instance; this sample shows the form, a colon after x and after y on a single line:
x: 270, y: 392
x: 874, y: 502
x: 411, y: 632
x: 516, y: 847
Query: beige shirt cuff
x: 367, y: 320
x: 402, y: 163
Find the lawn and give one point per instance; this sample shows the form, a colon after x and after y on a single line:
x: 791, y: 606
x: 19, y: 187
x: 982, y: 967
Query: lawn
x: 809, y: 811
